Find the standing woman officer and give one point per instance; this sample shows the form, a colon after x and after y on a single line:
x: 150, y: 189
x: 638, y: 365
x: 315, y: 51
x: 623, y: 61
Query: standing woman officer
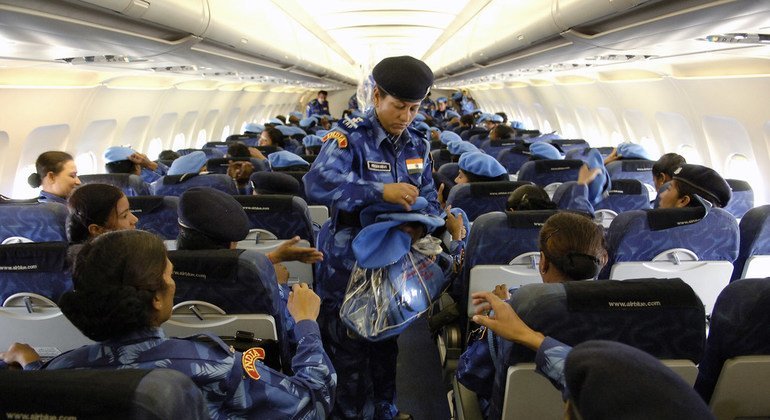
x: 378, y: 158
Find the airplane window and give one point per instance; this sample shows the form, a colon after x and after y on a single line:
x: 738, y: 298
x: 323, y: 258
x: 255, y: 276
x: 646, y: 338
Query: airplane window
x: 588, y: 126
x: 225, y: 132
x: 640, y: 131
x: 186, y: 128
x: 650, y: 145
x: 3, y: 150
x: 179, y: 142
x: 690, y: 154
x: 609, y: 126
x: 726, y: 136
x: 86, y: 163
x: 565, y: 118
x: 156, y: 146
x: 135, y: 129
x: 675, y: 132
x: 20, y: 187
x: 206, y: 127
x: 51, y: 137
x: 202, y: 138
x: 740, y: 167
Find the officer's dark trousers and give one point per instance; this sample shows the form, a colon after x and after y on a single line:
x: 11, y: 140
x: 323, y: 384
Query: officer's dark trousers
x: 366, y: 371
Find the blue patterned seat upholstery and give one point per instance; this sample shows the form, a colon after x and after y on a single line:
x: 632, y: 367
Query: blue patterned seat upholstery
x: 545, y: 172
x: 467, y: 134
x: 238, y: 281
x: 283, y: 215
x: 440, y: 157
x: 742, y: 199
x: 640, y: 169
x: 582, y: 154
x: 177, y: 184
x: 156, y: 214
x: 39, y: 267
x: 566, y: 145
x: 478, y: 139
x: 449, y: 170
x: 100, y: 393
x: 513, y: 158
x: 494, y: 147
x: 754, y: 252
x: 574, y: 312
x: 131, y: 185
x: 221, y: 146
x: 38, y: 222
x: 626, y: 195
x: 219, y: 165
x: 477, y: 198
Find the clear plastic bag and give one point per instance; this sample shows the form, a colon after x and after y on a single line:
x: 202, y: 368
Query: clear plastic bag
x: 380, y: 303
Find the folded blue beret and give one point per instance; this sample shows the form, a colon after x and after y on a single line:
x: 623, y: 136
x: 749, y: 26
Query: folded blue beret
x: 312, y: 140
x: 543, y: 150
x: 484, y: 117
x: 706, y: 181
x: 188, y: 164
x: 283, y: 159
x: 632, y: 151
x: 602, y: 182
x: 646, y: 389
x: 275, y: 121
x: 307, y: 122
x: 274, y: 183
x: 441, y: 99
x: 496, y: 118
x: 253, y: 128
x: 117, y: 153
x: 295, y: 114
x: 447, y: 137
x: 459, y: 147
x: 404, y: 77
x: 517, y: 124
x: 419, y: 117
x: 452, y: 114
x: 457, y: 96
x: 481, y: 164
x: 204, y: 209
x: 285, y: 130
x: 296, y: 130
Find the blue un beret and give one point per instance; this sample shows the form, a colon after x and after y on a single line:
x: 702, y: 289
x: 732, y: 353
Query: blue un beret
x: 420, y: 117
x: 496, y: 118
x: 274, y: 183
x: 706, y: 182
x: 253, y: 128
x: 611, y: 380
x: 484, y: 117
x: 457, y: 96
x: 441, y: 99
x: 460, y: 147
x: 275, y: 121
x: 117, y: 153
x: 284, y: 159
x: 602, y: 182
x: 481, y: 164
x: 307, y: 122
x: 447, y: 137
x: 296, y: 114
x: 404, y: 77
x: 421, y: 126
x: 188, y: 164
x: 543, y: 150
x: 204, y: 209
x: 312, y: 140
x: 452, y: 114
x: 632, y: 151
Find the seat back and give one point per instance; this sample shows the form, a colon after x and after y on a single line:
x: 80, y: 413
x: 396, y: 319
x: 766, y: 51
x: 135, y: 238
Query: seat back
x: 156, y: 214
x: 582, y: 154
x: 477, y: 198
x: 675, y: 243
x: 662, y: 317
x: 640, y: 169
x: 131, y: 185
x: 545, y: 172
x: 39, y: 267
x: 512, y: 158
x: 220, y: 165
x: 494, y: 147
x: 196, y: 317
x: 440, y: 157
x: 754, y: 253
x: 282, y: 215
x: 567, y: 145
x: 27, y: 318
x: 450, y: 170
x: 740, y: 326
x: 626, y: 195
x: 742, y: 389
x: 97, y: 393
x: 39, y: 222
x: 742, y: 199
x: 177, y: 184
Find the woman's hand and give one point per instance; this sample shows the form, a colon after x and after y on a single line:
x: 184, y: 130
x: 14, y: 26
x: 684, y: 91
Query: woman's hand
x: 504, y: 321
x: 303, y: 303
x: 19, y: 354
x: 454, y: 225
x: 288, y: 251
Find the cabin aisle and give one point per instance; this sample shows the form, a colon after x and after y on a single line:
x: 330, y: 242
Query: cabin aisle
x: 419, y: 383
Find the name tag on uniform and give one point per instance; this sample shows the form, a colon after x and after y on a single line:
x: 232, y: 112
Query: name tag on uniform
x: 378, y: 166
x: 415, y: 166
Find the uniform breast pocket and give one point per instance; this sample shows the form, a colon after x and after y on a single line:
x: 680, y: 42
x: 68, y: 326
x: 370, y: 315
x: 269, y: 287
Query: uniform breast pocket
x: 415, y: 167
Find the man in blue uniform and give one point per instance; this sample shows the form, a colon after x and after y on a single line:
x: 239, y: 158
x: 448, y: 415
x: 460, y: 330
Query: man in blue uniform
x: 318, y: 106
x: 375, y: 159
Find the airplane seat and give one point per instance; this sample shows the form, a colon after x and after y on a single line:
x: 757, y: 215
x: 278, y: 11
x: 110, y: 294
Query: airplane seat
x: 495, y: 147
x: 284, y: 216
x: 640, y: 169
x: 467, y: 134
x: 436, y: 145
x: 754, y: 253
x: 298, y: 175
x: 38, y: 222
x: 240, y: 137
x: 38, y: 267
x: 546, y: 172
x: 177, y: 184
x: 696, y: 244
x: 477, y: 198
x: 131, y: 185
x: 512, y: 158
x: 582, y: 153
x: 666, y: 320
x: 742, y: 199
x: 450, y: 170
x: 157, y: 214
x: 220, y: 165
x: 237, y: 281
x: 567, y: 145
x: 626, y: 195
x: 101, y: 393
x: 440, y: 157
x: 266, y: 150
x: 294, y: 146
x: 478, y: 139
x: 210, y: 152
x: 221, y: 146
x: 734, y: 374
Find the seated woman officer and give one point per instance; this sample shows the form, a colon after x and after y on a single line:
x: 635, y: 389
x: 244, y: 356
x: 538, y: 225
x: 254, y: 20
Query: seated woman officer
x: 530, y: 197
x: 96, y: 209
x: 475, y: 166
x: 57, y: 174
x: 571, y: 249
x: 691, y: 180
x: 124, y: 292
x: 593, y: 377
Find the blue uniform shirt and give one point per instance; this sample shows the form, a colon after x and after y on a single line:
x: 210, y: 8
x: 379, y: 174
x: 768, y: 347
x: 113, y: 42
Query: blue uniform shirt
x: 46, y: 197
x: 315, y: 107
x: 234, y: 384
x: 149, y: 176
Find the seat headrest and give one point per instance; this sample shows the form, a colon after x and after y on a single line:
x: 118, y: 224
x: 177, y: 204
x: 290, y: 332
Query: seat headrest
x: 636, y: 165
x: 528, y: 219
x: 545, y: 166
x: 207, y: 266
x: 34, y: 257
x: 626, y: 186
x: 738, y: 185
x: 660, y: 219
x: 494, y: 188
x: 265, y: 203
x: 145, y: 204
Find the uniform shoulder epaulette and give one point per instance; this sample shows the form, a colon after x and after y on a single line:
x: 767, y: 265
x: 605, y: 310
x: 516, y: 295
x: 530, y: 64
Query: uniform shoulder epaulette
x: 205, y: 337
x: 351, y: 123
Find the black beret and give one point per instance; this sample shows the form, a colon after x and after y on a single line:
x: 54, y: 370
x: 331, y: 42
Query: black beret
x: 706, y: 182
x: 274, y: 183
x: 404, y: 77
x: 213, y: 213
x: 610, y: 380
